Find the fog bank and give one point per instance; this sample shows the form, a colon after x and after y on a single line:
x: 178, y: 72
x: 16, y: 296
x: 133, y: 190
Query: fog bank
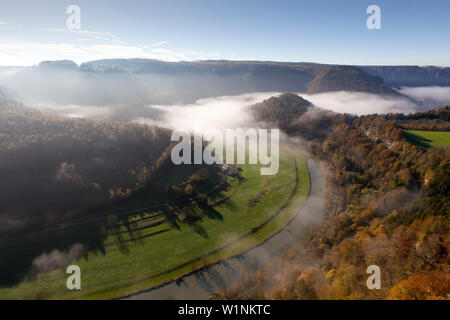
x: 361, y: 103
x: 219, y: 112
x: 434, y: 97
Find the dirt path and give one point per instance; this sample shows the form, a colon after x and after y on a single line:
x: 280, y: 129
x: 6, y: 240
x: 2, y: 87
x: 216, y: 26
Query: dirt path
x: 200, y: 284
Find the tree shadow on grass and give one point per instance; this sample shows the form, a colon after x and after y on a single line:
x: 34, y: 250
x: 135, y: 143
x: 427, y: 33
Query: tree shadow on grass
x: 418, y: 140
x: 24, y: 257
x: 17, y: 255
x: 198, y: 228
x: 209, y: 211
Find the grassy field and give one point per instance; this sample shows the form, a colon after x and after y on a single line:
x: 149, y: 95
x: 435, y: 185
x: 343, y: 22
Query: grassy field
x: 158, y: 252
x: 429, y: 138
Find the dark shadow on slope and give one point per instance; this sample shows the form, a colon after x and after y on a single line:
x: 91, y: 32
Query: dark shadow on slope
x: 417, y: 140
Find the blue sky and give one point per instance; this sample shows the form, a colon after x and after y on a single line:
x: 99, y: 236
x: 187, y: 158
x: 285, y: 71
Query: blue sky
x: 326, y: 31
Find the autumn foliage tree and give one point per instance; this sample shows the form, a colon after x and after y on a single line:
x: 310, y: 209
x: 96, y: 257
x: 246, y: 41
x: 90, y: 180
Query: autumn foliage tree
x: 431, y: 285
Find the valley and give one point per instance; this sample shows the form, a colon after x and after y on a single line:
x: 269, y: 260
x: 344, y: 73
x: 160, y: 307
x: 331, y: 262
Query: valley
x: 150, y: 249
x: 108, y: 197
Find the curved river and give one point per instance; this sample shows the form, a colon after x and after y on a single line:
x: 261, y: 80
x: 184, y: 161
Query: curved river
x: 200, y: 284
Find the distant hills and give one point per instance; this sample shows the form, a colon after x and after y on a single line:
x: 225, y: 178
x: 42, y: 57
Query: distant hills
x: 141, y: 82
x: 310, y: 76
x: 254, y: 76
x: 59, y: 65
x: 3, y: 97
x: 410, y: 76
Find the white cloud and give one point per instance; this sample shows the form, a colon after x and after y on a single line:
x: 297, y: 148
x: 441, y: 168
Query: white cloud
x: 161, y: 43
x: 88, y: 34
x: 23, y: 53
x: 2, y: 23
x: 170, y: 54
x: 87, y: 45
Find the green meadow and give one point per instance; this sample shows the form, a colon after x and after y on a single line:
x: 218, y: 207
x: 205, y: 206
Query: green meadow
x: 429, y: 138
x: 252, y: 209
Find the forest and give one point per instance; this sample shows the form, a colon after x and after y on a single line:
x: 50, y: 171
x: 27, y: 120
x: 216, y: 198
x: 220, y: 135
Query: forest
x: 391, y: 203
x: 53, y: 169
